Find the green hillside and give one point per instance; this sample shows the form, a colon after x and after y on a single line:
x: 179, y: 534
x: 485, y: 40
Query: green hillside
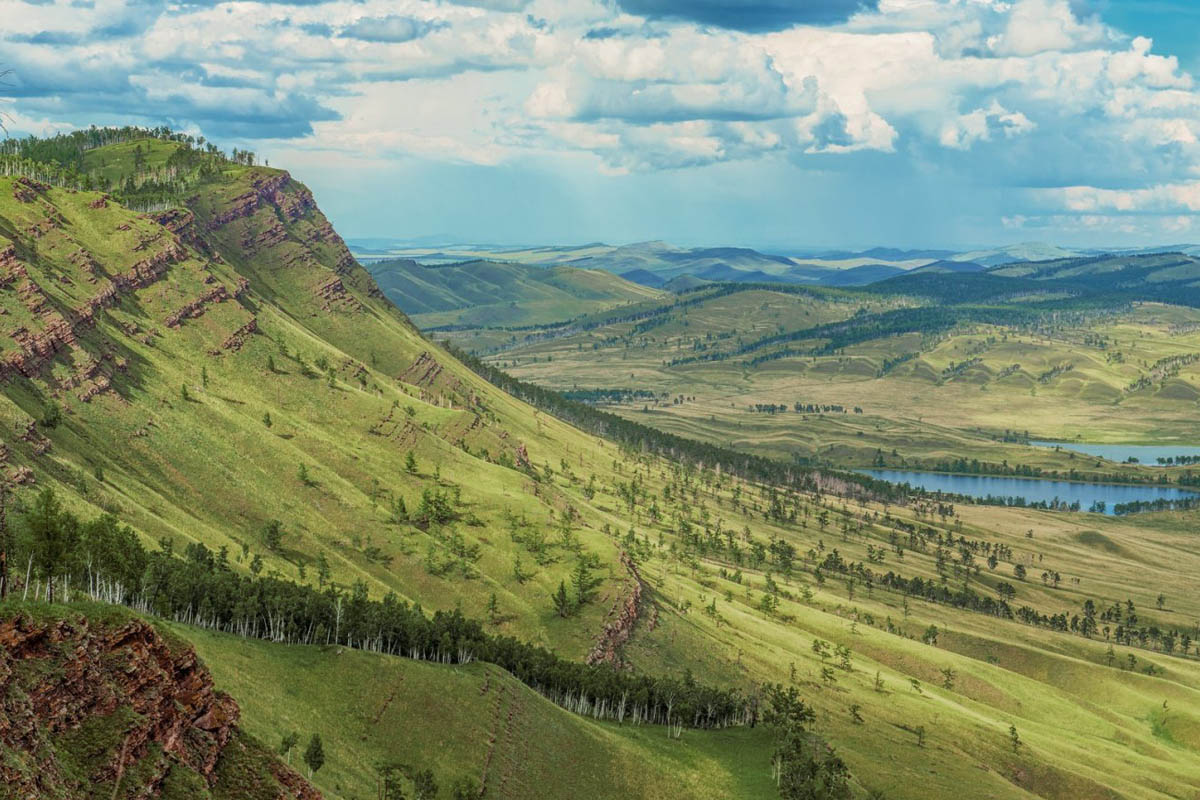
x: 1116, y: 271
x: 491, y: 294
x: 470, y: 723
x: 219, y: 373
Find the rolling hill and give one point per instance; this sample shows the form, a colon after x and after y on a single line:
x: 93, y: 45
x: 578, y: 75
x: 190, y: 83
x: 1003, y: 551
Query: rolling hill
x: 486, y: 293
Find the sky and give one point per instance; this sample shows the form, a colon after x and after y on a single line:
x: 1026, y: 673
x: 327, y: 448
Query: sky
x: 778, y: 124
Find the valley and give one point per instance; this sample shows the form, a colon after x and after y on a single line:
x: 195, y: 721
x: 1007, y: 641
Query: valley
x: 756, y: 368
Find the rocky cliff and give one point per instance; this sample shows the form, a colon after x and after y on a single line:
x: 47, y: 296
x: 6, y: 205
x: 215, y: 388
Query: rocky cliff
x: 112, y: 709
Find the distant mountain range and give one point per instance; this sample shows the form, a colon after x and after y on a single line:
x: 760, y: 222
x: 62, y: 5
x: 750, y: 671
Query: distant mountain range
x: 661, y: 265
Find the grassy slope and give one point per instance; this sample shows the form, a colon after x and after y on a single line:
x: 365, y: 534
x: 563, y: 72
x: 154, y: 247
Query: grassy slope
x: 209, y: 470
x: 497, y: 294
x: 475, y: 722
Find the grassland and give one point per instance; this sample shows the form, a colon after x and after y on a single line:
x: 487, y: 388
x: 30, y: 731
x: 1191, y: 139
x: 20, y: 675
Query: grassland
x: 494, y: 294
x: 973, y: 393
x: 178, y: 444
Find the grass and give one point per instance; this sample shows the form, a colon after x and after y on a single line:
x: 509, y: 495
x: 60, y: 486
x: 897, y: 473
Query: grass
x: 473, y: 722
x: 491, y: 294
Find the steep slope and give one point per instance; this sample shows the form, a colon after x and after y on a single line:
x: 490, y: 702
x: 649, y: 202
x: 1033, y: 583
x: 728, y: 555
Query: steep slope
x: 201, y: 356
x: 106, y: 706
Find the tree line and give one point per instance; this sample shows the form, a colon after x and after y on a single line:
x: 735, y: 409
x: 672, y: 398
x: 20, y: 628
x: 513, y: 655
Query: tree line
x: 106, y: 561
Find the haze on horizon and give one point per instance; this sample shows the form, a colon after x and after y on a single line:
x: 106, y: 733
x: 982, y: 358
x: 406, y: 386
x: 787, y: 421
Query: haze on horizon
x: 777, y: 124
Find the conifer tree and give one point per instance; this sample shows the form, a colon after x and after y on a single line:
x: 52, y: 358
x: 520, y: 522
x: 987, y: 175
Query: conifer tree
x: 562, y: 603
x: 314, y: 754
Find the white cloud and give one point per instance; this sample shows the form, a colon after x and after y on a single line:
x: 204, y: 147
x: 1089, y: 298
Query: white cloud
x: 1051, y: 93
x: 1164, y: 198
x: 981, y: 124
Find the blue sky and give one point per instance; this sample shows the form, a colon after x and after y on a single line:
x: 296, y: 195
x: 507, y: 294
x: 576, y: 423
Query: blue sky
x: 769, y: 123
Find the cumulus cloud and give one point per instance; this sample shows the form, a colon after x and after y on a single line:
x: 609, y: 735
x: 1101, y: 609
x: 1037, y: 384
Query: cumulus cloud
x: 982, y: 124
x: 1028, y: 94
x: 1162, y: 198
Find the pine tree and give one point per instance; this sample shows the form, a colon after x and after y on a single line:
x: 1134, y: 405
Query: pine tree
x: 424, y: 785
x: 1014, y: 738
x: 273, y: 535
x: 410, y: 462
x: 399, y: 510
x: 52, y: 415
x: 322, y: 570
x: 562, y: 603
x: 581, y: 578
x: 314, y: 754
x: 390, y: 786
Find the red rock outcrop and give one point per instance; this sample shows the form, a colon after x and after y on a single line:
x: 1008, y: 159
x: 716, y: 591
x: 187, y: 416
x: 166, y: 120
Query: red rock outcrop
x: 195, y: 308
x: 58, y: 332
x: 623, y: 615
x: 265, y: 190
x: 236, y: 339
x: 60, y: 675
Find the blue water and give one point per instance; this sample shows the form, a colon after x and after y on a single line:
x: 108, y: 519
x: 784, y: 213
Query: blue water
x: 1032, y: 489
x: 1147, y: 454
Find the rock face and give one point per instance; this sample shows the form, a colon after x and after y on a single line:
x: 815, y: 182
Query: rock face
x: 623, y: 616
x: 84, y: 706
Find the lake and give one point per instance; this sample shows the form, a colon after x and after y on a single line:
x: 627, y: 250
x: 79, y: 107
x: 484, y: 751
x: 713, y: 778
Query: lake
x: 1032, y: 489
x: 1145, y: 453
